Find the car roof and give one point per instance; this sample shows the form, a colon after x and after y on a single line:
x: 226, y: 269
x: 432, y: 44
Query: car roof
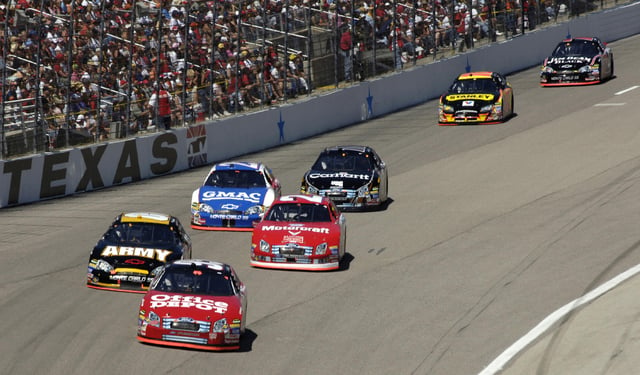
x: 145, y: 217
x: 302, y: 198
x: 588, y: 39
x: 355, y: 148
x: 238, y: 165
x: 217, y: 266
x: 475, y: 75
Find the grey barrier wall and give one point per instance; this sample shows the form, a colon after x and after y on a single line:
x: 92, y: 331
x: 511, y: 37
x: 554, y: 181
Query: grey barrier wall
x: 72, y: 171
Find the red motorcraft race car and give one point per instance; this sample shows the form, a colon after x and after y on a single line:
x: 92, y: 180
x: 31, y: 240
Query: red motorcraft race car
x: 195, y: 304
x: 300, y: 232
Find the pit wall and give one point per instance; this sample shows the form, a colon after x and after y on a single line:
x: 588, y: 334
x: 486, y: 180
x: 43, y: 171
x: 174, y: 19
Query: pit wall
x: 83, y: 169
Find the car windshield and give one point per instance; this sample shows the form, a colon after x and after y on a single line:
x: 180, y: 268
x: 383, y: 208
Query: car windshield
x: 236, y: 179
x: 299, y: 212
x: 142, y: 233
x: 576, y: 48
x: 343, y: 161
x: 474, y: 85
x: 192, y: 280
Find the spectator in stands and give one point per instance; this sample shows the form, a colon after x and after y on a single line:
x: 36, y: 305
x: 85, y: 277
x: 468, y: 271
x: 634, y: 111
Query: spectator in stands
x: 345, y: 49
x: 160, y: 105
x: 205, y: 40
x: 296, y: 69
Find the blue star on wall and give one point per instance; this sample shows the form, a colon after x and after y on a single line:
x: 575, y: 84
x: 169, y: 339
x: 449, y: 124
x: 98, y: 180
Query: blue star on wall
x: 281, y: 127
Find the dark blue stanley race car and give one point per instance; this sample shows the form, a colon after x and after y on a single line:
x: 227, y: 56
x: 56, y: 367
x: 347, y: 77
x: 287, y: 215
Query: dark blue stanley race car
x: 234, y: 196
x: 133, y: 250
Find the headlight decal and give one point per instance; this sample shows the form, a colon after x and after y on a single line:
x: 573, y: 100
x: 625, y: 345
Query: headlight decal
x: 265, y: 247
x: 321, y: 249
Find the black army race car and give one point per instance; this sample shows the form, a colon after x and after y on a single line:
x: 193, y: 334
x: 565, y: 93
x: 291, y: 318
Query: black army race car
x: 134, y: 249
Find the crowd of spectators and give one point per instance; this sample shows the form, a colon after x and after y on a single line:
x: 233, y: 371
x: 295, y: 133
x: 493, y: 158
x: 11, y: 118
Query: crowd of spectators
x: 90, y: 65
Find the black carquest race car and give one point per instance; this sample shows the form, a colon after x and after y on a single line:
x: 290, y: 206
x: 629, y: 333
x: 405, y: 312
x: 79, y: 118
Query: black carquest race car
x: 476, y: 98
x: 577, y: 61
x: 134, y: 248
x: 353, y: 177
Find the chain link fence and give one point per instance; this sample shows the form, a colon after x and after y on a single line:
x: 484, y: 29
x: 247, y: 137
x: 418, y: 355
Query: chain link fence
x: 85, y: 71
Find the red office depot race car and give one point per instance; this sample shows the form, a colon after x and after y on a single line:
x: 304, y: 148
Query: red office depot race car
x: 195, y: 304
x: 300, y: 232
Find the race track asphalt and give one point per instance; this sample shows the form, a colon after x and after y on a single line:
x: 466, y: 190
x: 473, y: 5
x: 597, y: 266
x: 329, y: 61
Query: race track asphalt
x: 490, y: 232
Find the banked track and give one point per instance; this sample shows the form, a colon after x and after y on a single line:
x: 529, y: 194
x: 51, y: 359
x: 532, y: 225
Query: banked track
x: 490, y: 229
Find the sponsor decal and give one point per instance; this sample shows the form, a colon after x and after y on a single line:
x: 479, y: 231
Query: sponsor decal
x: 467, y: 103
x: 184, y: 333
x: 231, y: 337
x: 457, y: 97
x: 241, y: 195
x: 129, y: 278
x: 293, y: 239
x: 229, y: 206
x: 163, y: 300
x: 197, y: 145
x: 294, y: 229
x: 58, y: 176
x: 229, y: 217
x: 134, y: 261
x: 569, y: 60
x: 142, y: 252
x: 340, y: 175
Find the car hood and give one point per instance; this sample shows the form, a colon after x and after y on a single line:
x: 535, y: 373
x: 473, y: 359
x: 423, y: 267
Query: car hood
x: 231, y: 199
x: 470, y: 101
x: 195, y: 306
x: 338, y: 180
x: 309, y: 234
x: 140, y: 257
x: 568, y: 62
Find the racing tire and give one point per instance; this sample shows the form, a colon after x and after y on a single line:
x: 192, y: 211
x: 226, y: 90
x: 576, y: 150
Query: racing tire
x: 513, y: 107
x: 612, y: 71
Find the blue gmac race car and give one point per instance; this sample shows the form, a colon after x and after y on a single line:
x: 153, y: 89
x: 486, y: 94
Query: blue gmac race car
x: 234, y: 196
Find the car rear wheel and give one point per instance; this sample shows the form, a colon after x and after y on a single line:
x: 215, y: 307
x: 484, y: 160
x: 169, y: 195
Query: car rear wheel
x: 612, y: 73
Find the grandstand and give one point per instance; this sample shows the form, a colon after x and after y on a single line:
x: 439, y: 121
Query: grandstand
x: 86, y: 71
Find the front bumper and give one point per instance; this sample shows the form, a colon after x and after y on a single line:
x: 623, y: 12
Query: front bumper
x: 349, y: 199
x: 201, y: 339
x: 468, y: 117
x: 301, y: 262
x: 569, y: 78
x: 125, y: 281
x: 238, y: 222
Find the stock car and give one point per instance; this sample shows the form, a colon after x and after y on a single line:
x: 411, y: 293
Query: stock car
x: 476, y: 98
x: 134, y: 248
x: 233, y: 197
x: 577, y: 61
x: 194, y: 304
x: 300, y: 232
x: 353, y: 177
